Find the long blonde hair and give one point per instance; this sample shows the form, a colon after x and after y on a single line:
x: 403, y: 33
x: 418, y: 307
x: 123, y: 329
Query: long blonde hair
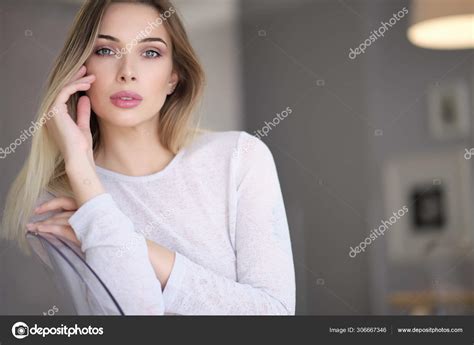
x: 44, y: 169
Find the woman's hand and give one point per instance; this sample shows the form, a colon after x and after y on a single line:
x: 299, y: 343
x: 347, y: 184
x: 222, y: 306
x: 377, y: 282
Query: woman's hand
x: 59, y: 223
x: 72, y: 138
x: 75, y: 139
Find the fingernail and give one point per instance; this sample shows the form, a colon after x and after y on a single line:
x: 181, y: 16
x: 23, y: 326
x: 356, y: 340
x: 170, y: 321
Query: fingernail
x: 29, y: 226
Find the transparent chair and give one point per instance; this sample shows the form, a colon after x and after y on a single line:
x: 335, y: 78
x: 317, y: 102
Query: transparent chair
x: 71, y: 273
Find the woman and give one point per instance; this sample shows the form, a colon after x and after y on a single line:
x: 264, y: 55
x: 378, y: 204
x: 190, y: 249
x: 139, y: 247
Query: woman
x: 174, y: 220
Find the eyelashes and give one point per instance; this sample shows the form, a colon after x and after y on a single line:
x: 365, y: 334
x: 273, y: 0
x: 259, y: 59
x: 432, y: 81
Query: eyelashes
x: 100, y: 51
x: 157, y: 54
x: 148, y: 54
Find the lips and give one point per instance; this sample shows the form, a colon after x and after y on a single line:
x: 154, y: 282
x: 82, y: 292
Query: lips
x: 126, y: 99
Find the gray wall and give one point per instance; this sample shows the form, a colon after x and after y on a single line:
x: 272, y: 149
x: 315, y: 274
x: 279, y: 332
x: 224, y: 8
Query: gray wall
x: 25, y: 60
x: 321, y: 148
x: 213, y: 27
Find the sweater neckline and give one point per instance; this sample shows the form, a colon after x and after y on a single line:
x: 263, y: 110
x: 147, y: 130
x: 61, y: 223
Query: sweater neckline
x: 163, y: 172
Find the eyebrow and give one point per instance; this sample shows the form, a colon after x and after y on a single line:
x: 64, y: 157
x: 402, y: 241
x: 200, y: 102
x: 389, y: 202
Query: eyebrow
x: 147, y: 39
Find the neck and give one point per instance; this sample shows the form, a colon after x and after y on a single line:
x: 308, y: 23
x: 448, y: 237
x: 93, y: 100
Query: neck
x: 133, y: 151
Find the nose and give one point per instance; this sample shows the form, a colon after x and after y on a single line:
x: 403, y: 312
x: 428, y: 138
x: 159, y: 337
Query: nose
x: 126, y: 73
x: 127, y: 77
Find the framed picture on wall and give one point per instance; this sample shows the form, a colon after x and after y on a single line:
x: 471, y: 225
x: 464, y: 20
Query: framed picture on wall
x: 448, y: 110
x: 435, y: 188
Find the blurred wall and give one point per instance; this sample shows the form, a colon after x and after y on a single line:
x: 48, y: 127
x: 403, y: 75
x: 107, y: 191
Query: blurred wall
x: 213, y: 28
x: 31, y: 36
x: 398, y: 77
x: 295, y: 55
x: 330, y: 151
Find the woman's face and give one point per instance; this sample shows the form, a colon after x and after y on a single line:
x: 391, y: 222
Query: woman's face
x: 121, y: 64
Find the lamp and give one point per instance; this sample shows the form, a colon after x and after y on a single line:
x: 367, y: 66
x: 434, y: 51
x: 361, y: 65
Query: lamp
x: 442, y: 24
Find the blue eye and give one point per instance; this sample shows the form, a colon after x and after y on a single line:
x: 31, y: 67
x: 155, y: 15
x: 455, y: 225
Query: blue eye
x: 152, y: 54
x: 101, y: 52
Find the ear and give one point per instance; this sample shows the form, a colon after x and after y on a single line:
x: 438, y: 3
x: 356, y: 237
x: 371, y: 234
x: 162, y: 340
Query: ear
x: 174, y: 79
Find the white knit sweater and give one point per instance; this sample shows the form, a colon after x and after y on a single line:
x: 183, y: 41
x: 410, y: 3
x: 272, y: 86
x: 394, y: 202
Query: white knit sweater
x: 218, y: 205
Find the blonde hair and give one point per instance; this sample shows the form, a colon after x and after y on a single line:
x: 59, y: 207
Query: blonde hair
x: 44, y: 169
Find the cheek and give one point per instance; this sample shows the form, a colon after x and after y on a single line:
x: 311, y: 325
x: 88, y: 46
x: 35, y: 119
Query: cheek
x: 98, y: 95
x: 98, y: 87
x: 156, y: 81
x: 155, y: 75
x: 156, y: 87
x: 95, y: 90
x: 100, y: 69
x: 161, y: 84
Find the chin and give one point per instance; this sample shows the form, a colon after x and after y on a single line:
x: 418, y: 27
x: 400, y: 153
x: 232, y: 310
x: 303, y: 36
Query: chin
x: 124, y: 117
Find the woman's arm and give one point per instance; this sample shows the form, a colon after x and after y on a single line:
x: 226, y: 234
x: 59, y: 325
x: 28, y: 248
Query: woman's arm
x: 83, y: 179
x: 102, y: 230
x: 86, y: 185
x: 265, y: 273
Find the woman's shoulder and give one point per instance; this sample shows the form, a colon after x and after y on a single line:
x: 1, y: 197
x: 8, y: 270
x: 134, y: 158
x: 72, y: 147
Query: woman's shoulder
x: 237, y: 150
x: 206, y: 138
x: 226, y: 143
x: 218, y: 143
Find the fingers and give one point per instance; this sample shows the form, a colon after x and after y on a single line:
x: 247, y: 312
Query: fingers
x: 85, y: 79
x: 64, y: 203
x: 79, y: 82
x: 53, y: 220
x: 67, y: 214
x: 80, y: 73
x: 83, y: 112
x: 62, y: 231
x: 61, y: 219
x: 82, y: 84
x: 82, y: 70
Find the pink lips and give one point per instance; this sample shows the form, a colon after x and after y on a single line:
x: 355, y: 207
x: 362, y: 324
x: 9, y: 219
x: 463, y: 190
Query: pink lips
x: 126, y: 99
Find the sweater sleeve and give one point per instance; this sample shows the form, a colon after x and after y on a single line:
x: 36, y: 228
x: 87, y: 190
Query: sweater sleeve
x: 265, y: 271
x: 119, y: 255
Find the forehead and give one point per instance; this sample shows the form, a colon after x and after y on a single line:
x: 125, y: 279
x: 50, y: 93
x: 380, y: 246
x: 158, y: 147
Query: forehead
x: 126, y: 20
